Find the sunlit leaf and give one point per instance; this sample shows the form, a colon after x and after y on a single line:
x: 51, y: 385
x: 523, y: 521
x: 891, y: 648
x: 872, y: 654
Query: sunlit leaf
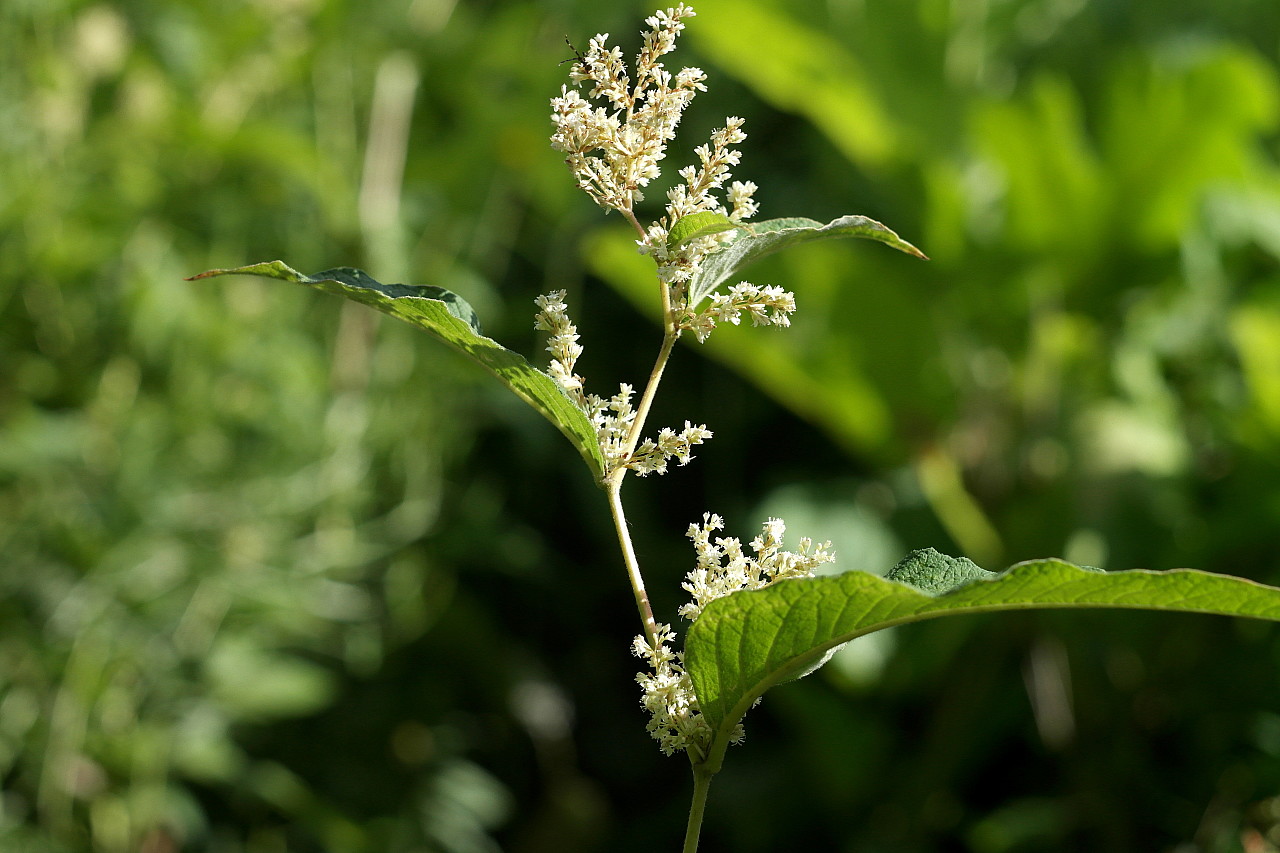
x: 747, y: 642
x: 451, y: 319
x: 701, y: 224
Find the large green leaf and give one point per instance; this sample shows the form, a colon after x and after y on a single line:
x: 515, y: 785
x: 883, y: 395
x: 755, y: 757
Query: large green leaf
x: 765, y: 238
x: 747, y: 642
x: 450, y: 318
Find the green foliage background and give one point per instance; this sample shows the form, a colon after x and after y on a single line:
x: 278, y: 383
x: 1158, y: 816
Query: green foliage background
x: 279, y: 574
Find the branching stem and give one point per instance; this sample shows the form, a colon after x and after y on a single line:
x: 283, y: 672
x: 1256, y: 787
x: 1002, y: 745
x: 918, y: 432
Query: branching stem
x: 614, y: 489
x: 635, y: 223
x: 614, y: 483
x: 650, y: 390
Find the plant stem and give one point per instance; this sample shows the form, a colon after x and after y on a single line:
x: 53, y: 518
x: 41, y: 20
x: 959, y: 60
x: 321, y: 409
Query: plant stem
x: 614, y: 490
x: 701, y: 785
x: 631, y: 217
x: 613, y: 485
x: 650, y: 391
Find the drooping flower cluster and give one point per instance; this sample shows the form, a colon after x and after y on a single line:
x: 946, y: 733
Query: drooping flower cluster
x: 614, y: 151
x: 612, y: 418
x: 723, y: 567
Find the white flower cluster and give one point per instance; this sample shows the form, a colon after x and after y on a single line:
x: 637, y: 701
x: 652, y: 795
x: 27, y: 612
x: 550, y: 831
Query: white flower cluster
x: 614, y: 151
x: 553, y: 317
x: 678, y: 264
x: 767, y: 306
x: 674, y: 719
x: 723, y: 567
x: 651, y: 456
x: 611, y: 418
x: 633, y: 137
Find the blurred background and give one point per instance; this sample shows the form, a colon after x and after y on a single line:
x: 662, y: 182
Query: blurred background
x: 280, y: 574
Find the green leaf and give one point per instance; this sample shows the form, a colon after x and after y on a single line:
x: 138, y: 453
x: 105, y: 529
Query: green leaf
x: 772, y: 235
x: 702, y: 224
x: 747, y: 642
x: 449, y: 318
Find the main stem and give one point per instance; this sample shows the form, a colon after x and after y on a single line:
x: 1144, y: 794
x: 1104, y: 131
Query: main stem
x: 613, y: 487
x: 701, y: 785
x: 614, y: 490
x: 702, y: 772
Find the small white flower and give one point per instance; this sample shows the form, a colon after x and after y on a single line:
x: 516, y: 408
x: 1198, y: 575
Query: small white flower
x: 651, y: 456
x: 724, y: 567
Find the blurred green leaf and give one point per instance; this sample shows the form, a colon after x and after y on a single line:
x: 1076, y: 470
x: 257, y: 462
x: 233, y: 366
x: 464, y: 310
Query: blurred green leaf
x: 1054, y: 184
x: 1179, y: 123
x: 449, y: 318
x: 254, y: 684
x: 1255, y: 330
x: 804, y: 71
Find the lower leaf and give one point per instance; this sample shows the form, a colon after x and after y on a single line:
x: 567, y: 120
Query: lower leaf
x: 747, y: 642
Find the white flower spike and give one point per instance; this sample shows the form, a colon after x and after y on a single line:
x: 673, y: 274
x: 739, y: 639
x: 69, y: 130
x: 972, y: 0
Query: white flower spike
x: 616, y: 135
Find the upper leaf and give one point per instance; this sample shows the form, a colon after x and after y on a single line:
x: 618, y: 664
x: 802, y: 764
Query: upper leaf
x: 448, y: 317
x: 701, y: 224
x: 746, y: 642
x: 765, y: 238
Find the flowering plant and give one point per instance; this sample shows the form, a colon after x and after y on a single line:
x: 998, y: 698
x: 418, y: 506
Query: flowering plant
x: 759, y: 615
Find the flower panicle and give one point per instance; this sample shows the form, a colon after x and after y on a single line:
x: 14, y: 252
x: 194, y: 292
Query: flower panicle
x: 766, y: 306
x: 724, y: 566
x: 614, y: 140
x: 562, y: 342
x: 677, y: 265
x: 630, y: 134
x: 651, y: 456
